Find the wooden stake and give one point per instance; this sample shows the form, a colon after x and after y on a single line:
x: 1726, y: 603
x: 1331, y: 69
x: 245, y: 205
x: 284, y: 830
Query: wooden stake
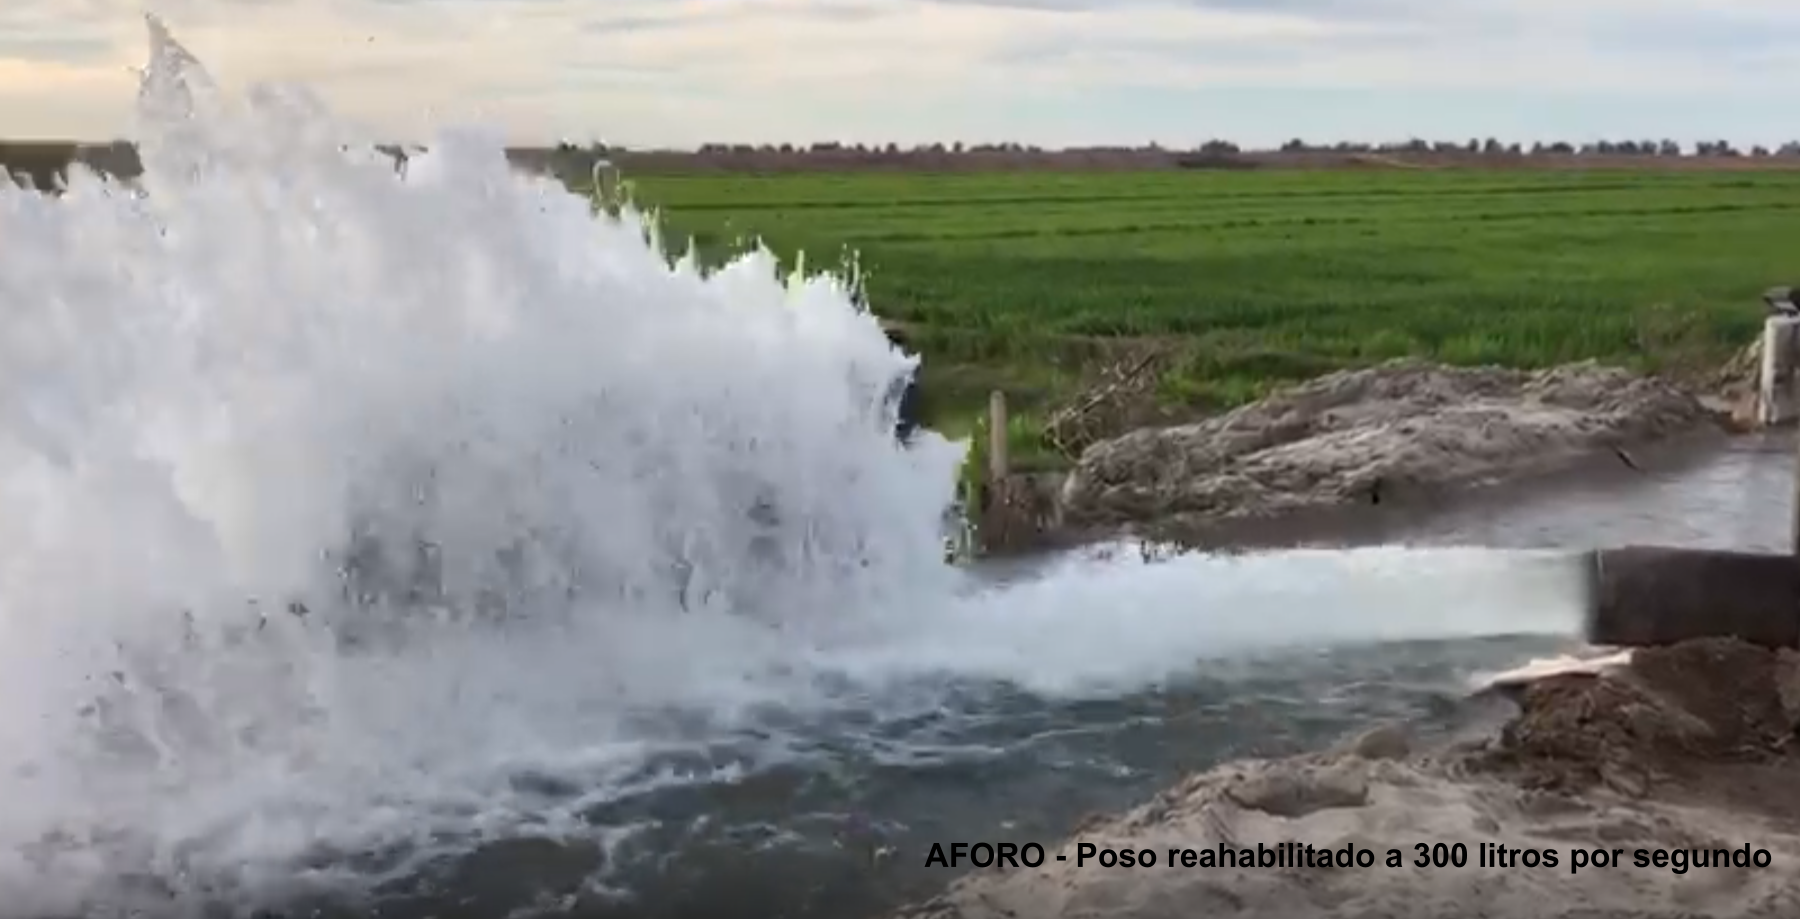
x: 999, y: 465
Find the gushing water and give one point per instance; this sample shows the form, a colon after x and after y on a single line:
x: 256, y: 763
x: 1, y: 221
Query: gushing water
x: 334, y: 500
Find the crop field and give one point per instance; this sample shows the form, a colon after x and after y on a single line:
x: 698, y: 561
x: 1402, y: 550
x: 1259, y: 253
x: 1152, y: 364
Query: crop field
x: 1027, y: 281
x: 1031, y: 280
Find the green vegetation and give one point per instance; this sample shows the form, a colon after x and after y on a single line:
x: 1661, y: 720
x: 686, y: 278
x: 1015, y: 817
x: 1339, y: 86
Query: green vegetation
x: 1028, y: 281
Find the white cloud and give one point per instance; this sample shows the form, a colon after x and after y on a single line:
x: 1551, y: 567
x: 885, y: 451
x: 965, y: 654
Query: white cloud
x: 684, y: 71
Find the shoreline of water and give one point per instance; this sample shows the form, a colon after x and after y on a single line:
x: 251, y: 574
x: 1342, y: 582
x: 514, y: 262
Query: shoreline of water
x: 1681, y: 750
x: 1594, y: 479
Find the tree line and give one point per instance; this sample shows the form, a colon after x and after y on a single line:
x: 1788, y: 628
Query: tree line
x: 1489, y: 147
x: 43, y: 163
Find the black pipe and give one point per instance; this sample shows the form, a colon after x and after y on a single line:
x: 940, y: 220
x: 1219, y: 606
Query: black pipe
x: 908, y: 400
x: 1657, y: 595
x: 907, y: 421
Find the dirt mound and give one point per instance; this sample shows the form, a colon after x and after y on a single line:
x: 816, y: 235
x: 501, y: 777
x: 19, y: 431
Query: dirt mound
x: 1671, y: 713
x: 1683, y: 750
x: 1404, y: 425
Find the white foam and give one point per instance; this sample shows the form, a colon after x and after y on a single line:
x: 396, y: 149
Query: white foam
x: 207, y: 382
x: 1589, y: 661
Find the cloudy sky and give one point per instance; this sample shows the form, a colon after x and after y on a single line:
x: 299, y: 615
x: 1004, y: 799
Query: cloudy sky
x: 680, y: 72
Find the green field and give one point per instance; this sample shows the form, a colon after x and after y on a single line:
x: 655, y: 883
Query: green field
x: 1026, y: 281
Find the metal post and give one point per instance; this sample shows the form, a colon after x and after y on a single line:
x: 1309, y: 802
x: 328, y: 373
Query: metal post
x: 1775, y: 392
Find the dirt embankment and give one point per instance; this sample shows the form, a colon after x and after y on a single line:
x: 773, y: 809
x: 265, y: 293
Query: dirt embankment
x: 1685, y: 749
x: 1356, y: 436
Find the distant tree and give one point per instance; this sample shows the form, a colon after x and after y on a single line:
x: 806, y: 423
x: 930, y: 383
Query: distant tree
x: 565, y: 155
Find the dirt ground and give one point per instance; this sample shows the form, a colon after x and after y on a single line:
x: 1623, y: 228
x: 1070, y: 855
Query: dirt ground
x: 1399, y: 429
x: 1706, y: 721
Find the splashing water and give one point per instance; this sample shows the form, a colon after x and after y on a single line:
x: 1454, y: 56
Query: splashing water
x: 336, y: 499
x: 208, y: 386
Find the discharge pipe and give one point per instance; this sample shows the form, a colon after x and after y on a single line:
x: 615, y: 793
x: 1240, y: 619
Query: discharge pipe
x: 1657, y: 595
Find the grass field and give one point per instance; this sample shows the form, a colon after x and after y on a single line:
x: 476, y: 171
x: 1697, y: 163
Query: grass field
x: 1026, y: 280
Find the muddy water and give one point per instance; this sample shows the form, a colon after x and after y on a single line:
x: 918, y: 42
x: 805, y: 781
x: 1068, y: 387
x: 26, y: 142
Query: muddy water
x: 1705, y: 491
x: 1731, y: 495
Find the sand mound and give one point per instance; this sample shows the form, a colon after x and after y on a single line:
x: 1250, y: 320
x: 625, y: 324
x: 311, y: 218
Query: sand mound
x: 1404, y: 425
x: 1685, y: 750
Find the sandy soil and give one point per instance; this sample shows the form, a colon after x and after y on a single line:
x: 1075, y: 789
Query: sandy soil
x: 1676, y: 749
x: 1387, y: 432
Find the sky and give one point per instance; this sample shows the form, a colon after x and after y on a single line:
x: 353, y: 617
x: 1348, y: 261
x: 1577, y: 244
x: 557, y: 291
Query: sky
x: 677, y: 73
